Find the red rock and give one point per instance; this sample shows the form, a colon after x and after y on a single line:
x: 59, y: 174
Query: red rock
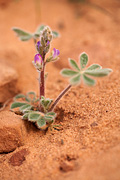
x: 8, y: 79
x: 18, y: 157
x: 12, y: 131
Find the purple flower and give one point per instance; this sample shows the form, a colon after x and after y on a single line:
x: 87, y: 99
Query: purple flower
x: 56, y: 52
x: 48, y: 42
x: 38, y: 44
x: 38, y: 59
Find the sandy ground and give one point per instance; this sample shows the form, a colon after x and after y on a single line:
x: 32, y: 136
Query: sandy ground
x: 87, y: 146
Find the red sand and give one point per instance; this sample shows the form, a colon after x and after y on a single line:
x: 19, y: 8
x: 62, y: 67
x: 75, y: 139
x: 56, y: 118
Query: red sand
x: 87, y: 146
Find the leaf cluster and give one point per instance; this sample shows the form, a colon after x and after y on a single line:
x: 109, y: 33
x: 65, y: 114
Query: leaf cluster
x: 27, y: 105
x: 40, y: 119
x: 45, y: 102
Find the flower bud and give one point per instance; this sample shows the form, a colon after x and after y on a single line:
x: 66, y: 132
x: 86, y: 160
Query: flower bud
x: 38, y: 62
x: 53, y: 56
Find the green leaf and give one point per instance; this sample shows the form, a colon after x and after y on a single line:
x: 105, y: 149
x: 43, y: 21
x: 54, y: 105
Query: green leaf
x: 25, y: 107
x: 51, y: 114
x: 73, y: 64
x: 49, y: 118
x: 19, y: 96
x: 83, y: 60
x: 98, y: 72
x: 41, y: 122
x: 42, y: 97
x: 34, y: 117
x: 25, y: 116
x: 39, y: 29
x: 37, y: 100
x: 94, y: 66
x: 55, y: 34
x: 75, y: 80
x: 31, y: 96
x: 45, y: 102
x: 23, y: 35
x: 36, y: 35
x: 48, y: 102
x: 28, y: 111
x: 68, y: 73
x: 88, y: 81
x: 17, y: 104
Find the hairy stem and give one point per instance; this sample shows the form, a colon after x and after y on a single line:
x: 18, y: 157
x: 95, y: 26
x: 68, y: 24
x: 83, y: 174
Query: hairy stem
x: 60, y: 96
x: 42, y: 82
x: 35, y: 41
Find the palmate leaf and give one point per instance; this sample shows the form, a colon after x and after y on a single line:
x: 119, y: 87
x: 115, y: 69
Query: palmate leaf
x: 23, y: 35
x: 75, y: 80
x: 38, y: 117
x: 68, y: 73
x: 73, y: 64
x: 93, y: 70
x: 98, y: 72
x: 88, y: 81
x: 83, y: 60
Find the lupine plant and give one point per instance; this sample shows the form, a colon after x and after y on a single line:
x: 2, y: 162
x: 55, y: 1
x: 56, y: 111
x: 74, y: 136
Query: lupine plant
x: 40, y: 110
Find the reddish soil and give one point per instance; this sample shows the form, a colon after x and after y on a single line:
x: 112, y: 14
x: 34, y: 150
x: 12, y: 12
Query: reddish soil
x: 87, y: 146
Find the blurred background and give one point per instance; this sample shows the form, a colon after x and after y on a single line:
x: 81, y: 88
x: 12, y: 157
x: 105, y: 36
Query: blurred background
x: 84, y: 25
